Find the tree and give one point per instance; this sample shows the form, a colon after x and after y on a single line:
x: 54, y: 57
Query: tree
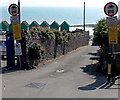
x: 101, y: 35
x: 101, y: 39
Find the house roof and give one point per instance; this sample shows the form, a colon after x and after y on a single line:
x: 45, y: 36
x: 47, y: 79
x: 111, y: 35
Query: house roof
x: 55, y: 23
x: 24, y: 22
x: 65, y: 23
x: 5, y: 22
x: 34, y: 22
x: 45, y: 23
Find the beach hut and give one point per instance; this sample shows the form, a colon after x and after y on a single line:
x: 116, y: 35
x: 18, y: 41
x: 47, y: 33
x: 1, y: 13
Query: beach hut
x: 65, y: 26
x: 54, y: 25
x: 24, y: 26
x: 5, y: 25
x: 33, y: 24
x: 44, y: 24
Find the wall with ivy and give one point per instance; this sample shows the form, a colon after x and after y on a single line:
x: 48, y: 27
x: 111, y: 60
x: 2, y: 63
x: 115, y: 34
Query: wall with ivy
x: 53, y: 50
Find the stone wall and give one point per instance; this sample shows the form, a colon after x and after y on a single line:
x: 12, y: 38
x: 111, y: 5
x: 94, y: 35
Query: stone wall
x: 52, y: 50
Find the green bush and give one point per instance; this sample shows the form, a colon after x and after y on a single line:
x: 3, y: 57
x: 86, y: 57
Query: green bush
x: 43, y: 33
x: 35, y: 51
x: 48, y: 34
x: 65, y: 37
x: 101, y: 35
x: 101, y: 39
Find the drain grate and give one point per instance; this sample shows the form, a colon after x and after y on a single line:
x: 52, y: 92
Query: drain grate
x: 35, y: 85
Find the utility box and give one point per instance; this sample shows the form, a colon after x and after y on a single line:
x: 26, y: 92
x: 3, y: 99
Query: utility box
x: 10, y: 50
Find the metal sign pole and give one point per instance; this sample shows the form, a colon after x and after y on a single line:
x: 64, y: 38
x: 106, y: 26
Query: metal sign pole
x: 113, y: 62
x: 110, y: 10
x: 14, y: 10
x: 19, y: 57
x: 109, y: 66
x: 19, y: 10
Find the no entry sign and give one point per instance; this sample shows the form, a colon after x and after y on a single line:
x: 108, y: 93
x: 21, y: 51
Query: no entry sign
x: 111, y: 9
x: 14, y: 9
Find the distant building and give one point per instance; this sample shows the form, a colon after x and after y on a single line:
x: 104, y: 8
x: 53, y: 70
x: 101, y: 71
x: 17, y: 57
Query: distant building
x: 44, y: 24
x: 54, y: 25
x: 119, y: 9
x: 33, y: 24
x: 65, y: 26
x: 24, y: 26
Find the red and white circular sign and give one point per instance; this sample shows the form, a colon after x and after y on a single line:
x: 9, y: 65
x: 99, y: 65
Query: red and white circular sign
x: 111, y: 9
x: 14, y: 9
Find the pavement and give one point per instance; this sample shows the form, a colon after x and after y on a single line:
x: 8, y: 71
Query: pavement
x: 69, y: 76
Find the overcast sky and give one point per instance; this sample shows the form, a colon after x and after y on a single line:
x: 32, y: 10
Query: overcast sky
x: 58, y: 3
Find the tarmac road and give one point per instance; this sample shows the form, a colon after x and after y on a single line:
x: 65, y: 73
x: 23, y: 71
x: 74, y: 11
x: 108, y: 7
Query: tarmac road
x: 70, y: 76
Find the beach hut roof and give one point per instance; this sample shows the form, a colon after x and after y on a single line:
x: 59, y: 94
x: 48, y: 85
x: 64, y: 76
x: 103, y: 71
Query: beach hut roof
x: 65, y: 23
x: 45, y: 23
x: 24, y: 22
x: 5, y: 23
x: 55, y: 23
x: 34, y: 22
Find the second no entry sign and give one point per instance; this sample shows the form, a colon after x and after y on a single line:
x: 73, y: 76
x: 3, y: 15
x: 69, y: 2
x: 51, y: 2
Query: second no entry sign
x: 111, y: 9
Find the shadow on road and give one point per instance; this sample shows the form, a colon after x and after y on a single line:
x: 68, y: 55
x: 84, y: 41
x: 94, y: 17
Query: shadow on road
x: 93, y: 54
x: 5, y: 70
x: 100, y: 80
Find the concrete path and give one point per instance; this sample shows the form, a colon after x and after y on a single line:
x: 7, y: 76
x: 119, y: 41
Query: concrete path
x: 70, y: 76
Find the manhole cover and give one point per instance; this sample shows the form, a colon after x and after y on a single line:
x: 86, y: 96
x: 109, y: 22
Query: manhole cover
x: 35, y: 85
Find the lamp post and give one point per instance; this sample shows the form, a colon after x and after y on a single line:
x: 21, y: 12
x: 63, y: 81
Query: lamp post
x: 19, y: 9
x: 19, y: 41
x: 84, y: 18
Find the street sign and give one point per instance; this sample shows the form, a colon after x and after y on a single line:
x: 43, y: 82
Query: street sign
x: 18, y: 50
x: 112, y: 21
x: 113, y: 35
x: 111, y: 9
x: 14, y: 10
x: 14, y: 19
x: 16, y: 32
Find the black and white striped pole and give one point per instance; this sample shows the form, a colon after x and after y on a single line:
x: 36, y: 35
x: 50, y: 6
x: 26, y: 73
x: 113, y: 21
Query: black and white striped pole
x: 111, y: 10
